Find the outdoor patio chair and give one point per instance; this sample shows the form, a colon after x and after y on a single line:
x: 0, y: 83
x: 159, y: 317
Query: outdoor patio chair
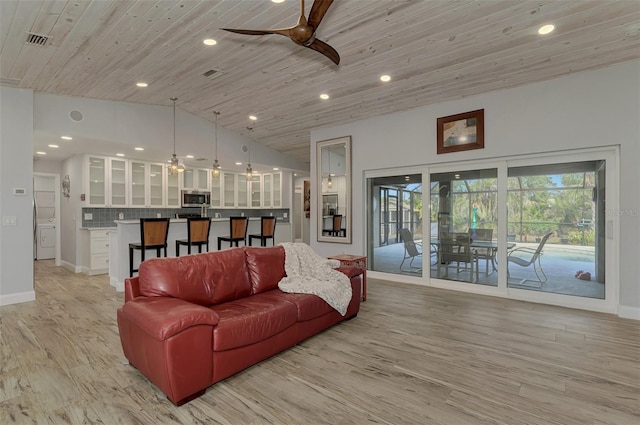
x: 412, y: 249
x: 533, y: 260
x: 488, y: 254
x: 457, y: 249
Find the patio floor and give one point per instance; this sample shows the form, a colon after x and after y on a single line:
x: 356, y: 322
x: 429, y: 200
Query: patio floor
x: 560, y: 263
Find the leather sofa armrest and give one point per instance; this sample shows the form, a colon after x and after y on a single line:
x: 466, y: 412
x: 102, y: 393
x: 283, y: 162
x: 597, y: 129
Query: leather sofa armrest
x: 131, y: 288
x: 350, y: 271
x: 163, y: 317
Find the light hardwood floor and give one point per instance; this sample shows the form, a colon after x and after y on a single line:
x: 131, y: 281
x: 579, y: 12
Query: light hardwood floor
x: 414, y: 355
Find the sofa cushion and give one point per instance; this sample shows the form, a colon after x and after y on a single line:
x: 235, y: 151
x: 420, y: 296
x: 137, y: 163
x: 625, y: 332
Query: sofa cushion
x: 266, y: 267
x: 250, y: 320
x: 309, y: 306
x: 205, y: 279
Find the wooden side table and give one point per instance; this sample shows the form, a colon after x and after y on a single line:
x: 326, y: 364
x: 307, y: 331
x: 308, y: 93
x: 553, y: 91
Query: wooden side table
x: 355, y: 260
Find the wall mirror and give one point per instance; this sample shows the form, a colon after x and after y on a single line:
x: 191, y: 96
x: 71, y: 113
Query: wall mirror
x: 333, y: 165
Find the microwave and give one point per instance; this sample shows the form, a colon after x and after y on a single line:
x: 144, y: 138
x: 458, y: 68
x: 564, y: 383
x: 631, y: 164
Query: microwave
x: 194, y: 198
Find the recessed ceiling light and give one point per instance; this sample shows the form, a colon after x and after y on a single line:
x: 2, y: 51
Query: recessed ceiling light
x: 190, y: 156
x: 142, y: 84
x: 139, y: 149
x: 253, y: 117
x: 66, y: 137
x: 295, y: 174
x: 41, y: 153
x: 54, y: 146
x: 277, y: 1
x: 276, y: 169
x: 238, y: 163
x: 119, y: 154
x: 546, y: 29
x: 209, y: 42
x: 324, y: 96
x: 385, y: 78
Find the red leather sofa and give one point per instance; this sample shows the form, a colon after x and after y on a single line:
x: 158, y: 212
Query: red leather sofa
x: 191, y: 321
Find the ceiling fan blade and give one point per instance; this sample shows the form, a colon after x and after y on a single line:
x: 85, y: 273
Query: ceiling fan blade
x: 318, y: 10
x: 284, y: 32
x: 325, y: 49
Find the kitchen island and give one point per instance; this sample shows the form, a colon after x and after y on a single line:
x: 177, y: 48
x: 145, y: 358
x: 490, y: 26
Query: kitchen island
x: 128, y: 231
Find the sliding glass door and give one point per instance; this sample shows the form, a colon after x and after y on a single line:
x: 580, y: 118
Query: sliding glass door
x: 531, y: 228
x: 464, y: 225
x: 556, y: 220
x: 395, y: 231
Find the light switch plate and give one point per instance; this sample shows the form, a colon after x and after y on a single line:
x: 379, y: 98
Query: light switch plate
x: 9, y: 221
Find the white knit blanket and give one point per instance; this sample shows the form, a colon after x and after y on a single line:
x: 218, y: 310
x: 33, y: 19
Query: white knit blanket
x: 308, y: 273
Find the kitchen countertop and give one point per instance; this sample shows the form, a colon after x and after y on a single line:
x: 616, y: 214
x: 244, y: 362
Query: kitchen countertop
x: 184, y: 220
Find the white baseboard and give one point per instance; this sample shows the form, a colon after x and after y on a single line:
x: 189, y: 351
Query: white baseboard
x: 20, y: 297
x: 119, y: 285
x: 71, y: 267
x: 627, y: 312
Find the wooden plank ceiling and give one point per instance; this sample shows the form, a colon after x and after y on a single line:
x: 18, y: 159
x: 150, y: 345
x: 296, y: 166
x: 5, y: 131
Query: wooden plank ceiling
x: 434, y: 50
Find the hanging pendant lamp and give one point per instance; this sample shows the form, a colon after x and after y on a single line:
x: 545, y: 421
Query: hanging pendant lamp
x: 175, y: 166
x: 215, y: 172
x: 329, y: 181
x: 249, y: 169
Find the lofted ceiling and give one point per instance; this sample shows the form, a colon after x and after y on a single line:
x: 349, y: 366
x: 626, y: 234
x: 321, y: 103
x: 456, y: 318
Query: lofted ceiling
x: 434, y: 50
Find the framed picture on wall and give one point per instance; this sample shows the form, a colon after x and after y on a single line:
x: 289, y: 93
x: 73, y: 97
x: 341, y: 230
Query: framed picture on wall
x: 307, y: 198
x: 461, y: 132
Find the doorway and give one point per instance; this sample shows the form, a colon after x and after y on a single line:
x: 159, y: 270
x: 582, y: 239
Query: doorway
x: 46, y: 217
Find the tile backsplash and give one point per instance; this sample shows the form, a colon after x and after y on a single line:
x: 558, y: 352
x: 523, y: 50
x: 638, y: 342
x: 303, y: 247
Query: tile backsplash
x: 104, y: 217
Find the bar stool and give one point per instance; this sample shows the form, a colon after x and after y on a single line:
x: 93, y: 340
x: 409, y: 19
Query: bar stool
x: 153, y: 235
x: 336, y: 229
x: 237, y: 232
x: 267, y: 231
x: 197, y: 234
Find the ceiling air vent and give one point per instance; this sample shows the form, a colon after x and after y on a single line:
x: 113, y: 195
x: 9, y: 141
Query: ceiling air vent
x: 37, y: 39
x: 213, y: 73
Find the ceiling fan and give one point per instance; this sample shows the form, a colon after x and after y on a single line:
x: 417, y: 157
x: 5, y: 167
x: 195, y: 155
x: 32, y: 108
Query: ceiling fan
x: 304, y: 33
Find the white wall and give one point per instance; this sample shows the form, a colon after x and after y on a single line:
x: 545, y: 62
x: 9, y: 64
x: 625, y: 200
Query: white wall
x: 147, y: 126
x: 16, y: 171
x: 71, y: 215
x: 589, y: 109
x: 47, y: 166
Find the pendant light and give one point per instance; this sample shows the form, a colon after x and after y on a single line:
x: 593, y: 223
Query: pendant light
x: 175, y: 166
x: 329, y: 181
x: 215, y: 172
x: 249, y: 169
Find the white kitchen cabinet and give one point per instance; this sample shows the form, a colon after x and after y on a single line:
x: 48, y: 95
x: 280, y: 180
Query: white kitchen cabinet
x: 271, y: 190
x: 106, y: 181
x: 146, y: 184
x: 96, y: 251
x: 195, y: 179
x: 172, y: 193
x: 229, y: 189
x: 241, y: 191
x: 256, y: 191
x: 216, y: 191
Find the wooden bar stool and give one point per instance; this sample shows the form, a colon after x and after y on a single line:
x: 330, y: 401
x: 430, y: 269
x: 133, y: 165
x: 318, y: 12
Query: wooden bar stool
x: 336, y: 229
x: 237, y: 232
x: 153, y: 235
x: 267, y: 231
x: 197, y: 234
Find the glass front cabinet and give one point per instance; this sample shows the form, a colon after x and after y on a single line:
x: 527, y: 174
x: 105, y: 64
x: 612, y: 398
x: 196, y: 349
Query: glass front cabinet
x: 195, y: 179
x: 107, y: 182
x: 146, y: 184
x: 115, y: 182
